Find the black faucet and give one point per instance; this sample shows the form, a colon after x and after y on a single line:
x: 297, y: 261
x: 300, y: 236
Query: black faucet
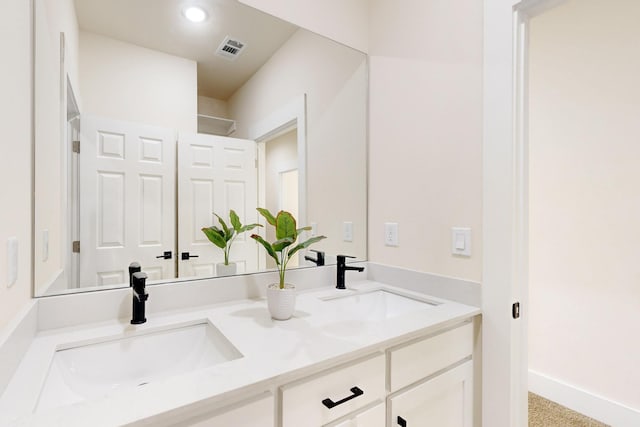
x: 342, y: 267
x: 140, y: 296
x: 318, y: 260
x: 134, y: 267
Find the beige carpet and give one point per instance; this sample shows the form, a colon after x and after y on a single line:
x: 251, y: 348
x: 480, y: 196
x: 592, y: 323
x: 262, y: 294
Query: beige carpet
x: 545, y: 413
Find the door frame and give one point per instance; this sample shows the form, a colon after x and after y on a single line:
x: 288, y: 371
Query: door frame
x: 292, y: 115
x: 505, y: 212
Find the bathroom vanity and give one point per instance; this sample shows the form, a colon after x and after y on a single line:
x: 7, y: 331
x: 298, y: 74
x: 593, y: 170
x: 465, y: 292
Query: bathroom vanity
x: 371, y: 355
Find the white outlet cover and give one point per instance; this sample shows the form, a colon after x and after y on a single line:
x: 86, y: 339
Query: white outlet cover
x: 391, y: 233
x: 314, y: 229
x: 461, y: 241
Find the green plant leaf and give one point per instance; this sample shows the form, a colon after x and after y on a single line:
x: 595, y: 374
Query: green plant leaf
x: 267, y: 215
x: 300, y: 230
x: 215, y: 237
x: 285, y: 226
x: 267, y: 246
x: 235, y: 220
x: 224, y: 226
x: 305, y: 244
x: 279, y: 245
x: 248, y: 227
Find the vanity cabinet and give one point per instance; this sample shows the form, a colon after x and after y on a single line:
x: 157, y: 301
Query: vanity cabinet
x: 254, y: 412
x: 431, y: 380
x: 426, y: 381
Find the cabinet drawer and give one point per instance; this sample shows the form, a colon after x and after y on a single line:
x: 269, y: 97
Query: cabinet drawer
x: 372, y: 417
x: 445, y: 400
x: 333, y: 393
x: 409, y: 363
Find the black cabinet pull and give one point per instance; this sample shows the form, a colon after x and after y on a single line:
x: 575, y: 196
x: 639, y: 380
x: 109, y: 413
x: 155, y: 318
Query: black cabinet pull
x: 165, y: 255
x: 330, y: 403
x: 186, y: 255
x: 402, y: 422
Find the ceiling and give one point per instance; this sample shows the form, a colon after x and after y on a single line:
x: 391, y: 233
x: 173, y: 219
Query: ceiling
x: 160, y: 25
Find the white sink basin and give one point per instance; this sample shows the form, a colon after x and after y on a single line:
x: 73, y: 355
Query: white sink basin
x: 377, y: 305
x: 86, y: 371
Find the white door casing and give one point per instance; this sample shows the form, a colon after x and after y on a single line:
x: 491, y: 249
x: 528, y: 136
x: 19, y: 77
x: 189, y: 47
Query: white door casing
x: 292, y: 115
x: 505, y: 199
x: 127, y: 197
x: 216, y: 174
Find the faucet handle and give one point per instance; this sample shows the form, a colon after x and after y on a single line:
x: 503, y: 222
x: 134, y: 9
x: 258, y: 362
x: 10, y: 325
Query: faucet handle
x: 342, y: 258
x: 139, y: 282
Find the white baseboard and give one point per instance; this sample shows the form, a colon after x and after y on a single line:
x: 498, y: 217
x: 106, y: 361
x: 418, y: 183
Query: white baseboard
x: 584, y: 402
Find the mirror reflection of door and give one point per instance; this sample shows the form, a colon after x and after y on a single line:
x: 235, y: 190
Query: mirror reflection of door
x: 215, y: 174
x: 281, y: 180
x: 127, y: 200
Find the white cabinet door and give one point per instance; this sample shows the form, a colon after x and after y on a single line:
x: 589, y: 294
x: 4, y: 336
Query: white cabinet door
x: 127, y: 196
x: 443, y: 401
x: 215, y: 174
x: 372, y: 417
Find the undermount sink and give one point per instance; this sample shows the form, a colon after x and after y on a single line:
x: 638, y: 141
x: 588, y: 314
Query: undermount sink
x: 86, y: 371
x: 377, y: 305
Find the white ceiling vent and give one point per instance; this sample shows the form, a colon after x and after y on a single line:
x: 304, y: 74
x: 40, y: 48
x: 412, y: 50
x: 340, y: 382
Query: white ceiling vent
x: 230, y: 48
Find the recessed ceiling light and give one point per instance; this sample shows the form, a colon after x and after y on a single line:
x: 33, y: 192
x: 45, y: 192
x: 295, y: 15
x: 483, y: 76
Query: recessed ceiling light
x: 195, y: 14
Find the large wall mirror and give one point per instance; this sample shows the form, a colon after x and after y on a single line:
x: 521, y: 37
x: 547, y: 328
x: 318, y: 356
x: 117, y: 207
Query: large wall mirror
x: 150, y: 117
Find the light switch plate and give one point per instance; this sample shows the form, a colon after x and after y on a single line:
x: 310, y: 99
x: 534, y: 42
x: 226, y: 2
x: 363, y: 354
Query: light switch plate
x: 347, y: 231
x: 461, y: 241
x: 391, y: 233
x: 314, y: 229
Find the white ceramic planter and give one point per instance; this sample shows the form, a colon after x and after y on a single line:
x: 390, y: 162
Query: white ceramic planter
x: 226, y: 270
x: 281, y: 302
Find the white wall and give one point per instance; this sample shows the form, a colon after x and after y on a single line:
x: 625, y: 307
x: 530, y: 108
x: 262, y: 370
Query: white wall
x: 334, y: 78
x: 127, y: 82
x: 52, y: 18
x: 426, y: 132
x: 585, y: 197
x: 15, y: 152
x: 213, y: 107
x: 342, y: 20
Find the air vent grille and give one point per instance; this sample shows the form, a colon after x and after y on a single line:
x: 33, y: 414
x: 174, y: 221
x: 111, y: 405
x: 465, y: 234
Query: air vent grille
x: 230, y: 48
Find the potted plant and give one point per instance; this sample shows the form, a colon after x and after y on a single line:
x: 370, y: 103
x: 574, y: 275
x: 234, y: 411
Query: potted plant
x: 281, y: 296
x: 223, y: 238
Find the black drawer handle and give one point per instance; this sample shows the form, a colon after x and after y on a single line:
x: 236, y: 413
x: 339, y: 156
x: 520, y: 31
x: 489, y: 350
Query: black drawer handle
x: 330, y: 403
x: 402, y: 422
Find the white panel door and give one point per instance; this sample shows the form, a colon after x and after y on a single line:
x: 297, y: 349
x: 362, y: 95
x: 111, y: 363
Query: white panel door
x: 443, y: 401
x: 127, y: 200
x: 215, y: 174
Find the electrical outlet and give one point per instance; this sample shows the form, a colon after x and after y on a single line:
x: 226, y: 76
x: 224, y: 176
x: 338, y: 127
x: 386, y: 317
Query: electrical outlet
x: 391, y: 233
x: 347, y: 231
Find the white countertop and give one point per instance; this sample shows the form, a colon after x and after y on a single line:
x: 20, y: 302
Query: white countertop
x: 316, y: 335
